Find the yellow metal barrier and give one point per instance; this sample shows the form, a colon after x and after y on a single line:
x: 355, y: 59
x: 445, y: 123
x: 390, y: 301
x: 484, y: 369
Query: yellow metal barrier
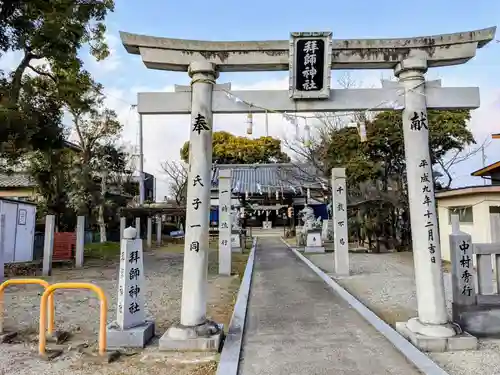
x: 103, y: 313
x: 41, y: 282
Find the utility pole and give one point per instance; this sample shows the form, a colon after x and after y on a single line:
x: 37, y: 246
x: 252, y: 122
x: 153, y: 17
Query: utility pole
x: 141, y: 160
x: 483, y: 156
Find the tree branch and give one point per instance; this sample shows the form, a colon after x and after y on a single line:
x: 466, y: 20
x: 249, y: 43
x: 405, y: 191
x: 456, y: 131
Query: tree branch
x: 42, y: 73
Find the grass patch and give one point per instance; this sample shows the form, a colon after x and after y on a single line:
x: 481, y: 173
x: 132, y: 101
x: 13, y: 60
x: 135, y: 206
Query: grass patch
x: 102, y: 251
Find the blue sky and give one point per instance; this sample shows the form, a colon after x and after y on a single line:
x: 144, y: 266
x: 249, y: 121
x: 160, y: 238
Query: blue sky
x: 124, y: 75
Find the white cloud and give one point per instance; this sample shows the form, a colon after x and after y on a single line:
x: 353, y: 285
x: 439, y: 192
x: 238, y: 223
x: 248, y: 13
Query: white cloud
x: 113, y: 62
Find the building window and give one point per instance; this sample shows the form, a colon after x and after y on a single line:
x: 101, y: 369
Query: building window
x: 494, y: 209
x: 464, y: 214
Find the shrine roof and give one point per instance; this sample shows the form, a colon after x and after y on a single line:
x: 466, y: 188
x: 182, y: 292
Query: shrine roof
x: 286, y: 177
x: 233, y: 56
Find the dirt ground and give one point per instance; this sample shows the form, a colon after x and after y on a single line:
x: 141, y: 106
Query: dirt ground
x: 78, y: 313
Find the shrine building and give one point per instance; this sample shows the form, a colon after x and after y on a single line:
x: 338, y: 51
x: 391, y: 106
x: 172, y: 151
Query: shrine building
x: 265, y: 192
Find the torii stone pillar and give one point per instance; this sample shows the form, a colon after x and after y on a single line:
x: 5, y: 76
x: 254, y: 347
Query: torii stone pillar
x: 432, y: 317
x: 195, y: 332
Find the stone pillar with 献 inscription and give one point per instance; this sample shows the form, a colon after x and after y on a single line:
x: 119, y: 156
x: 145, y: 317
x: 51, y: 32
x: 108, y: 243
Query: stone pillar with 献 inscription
x: 195, y: 331
x: 432, y: 320
x: 225, y: 222
x: 339, y: 213
x: 131, y: 328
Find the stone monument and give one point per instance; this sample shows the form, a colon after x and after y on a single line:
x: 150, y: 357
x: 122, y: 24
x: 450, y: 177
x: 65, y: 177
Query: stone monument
x: 131, y: 328
x: 339, y: 208
x: 311, y: 229
x: 225, y: 222
x: 408, y: 57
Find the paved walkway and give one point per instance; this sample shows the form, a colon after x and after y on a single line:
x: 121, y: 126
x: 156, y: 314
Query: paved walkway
x: 296, y: 325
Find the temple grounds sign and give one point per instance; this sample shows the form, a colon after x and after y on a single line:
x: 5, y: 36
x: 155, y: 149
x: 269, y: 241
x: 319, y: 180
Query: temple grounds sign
x: 310, y: 57
x: 310, y: 65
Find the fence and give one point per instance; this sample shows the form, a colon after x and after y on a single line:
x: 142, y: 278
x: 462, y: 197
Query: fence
x: 90, y: 237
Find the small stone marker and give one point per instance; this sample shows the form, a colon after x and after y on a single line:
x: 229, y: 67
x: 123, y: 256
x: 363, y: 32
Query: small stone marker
x: 48, y: 245
x: 158, y: 230
x: 314, y: 244
x: 236, y: 242
x: 131, y: 329
x: 80, y: 241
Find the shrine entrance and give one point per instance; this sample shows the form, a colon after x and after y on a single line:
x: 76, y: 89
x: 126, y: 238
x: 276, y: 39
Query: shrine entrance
x: 310, y: 59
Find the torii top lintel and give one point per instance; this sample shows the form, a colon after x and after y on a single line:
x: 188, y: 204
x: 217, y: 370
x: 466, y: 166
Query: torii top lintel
x: 177, y: 54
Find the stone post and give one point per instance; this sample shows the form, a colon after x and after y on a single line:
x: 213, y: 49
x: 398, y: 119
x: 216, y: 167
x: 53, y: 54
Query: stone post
x: 149, y: 233
x: 138, y: 226
x: 158, y: 230
x: 339, y: 210
x: 225, y: 222
x: 432, y: 317
x: 131, y: 329
x: 123, y: 223
x: 2, y: 247
x: 195, y: 332
x: 463, y: 274
x: 48, y: 245
x: 80, y: 241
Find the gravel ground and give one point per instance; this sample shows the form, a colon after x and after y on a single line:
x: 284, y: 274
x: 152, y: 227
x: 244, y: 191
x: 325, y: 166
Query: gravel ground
x: 385, y: 284
x: 78, y: 312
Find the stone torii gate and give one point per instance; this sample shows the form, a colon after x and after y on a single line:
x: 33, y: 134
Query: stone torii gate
x: 309, y: 91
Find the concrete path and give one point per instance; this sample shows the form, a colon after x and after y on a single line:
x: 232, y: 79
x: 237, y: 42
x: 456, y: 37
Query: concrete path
x: 296, y: 325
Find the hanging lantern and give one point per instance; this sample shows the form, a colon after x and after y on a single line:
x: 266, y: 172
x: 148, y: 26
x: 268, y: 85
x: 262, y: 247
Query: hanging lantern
x: 277, y: 195
x: 246, y: 195
x: 249, y: 123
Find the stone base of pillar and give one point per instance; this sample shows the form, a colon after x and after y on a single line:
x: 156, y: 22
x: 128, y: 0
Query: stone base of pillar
x: 314, y: 249
x: 206, y: 337
x: 235, y: 241
x: 135, y: 337
x: 436, y: 338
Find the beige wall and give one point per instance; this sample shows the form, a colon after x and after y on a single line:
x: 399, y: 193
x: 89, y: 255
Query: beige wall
x: 480, y: 229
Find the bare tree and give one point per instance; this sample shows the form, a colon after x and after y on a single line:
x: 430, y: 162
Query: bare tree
x: 307, y: 160
x: 456, y: 158
x: 177, y: 176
